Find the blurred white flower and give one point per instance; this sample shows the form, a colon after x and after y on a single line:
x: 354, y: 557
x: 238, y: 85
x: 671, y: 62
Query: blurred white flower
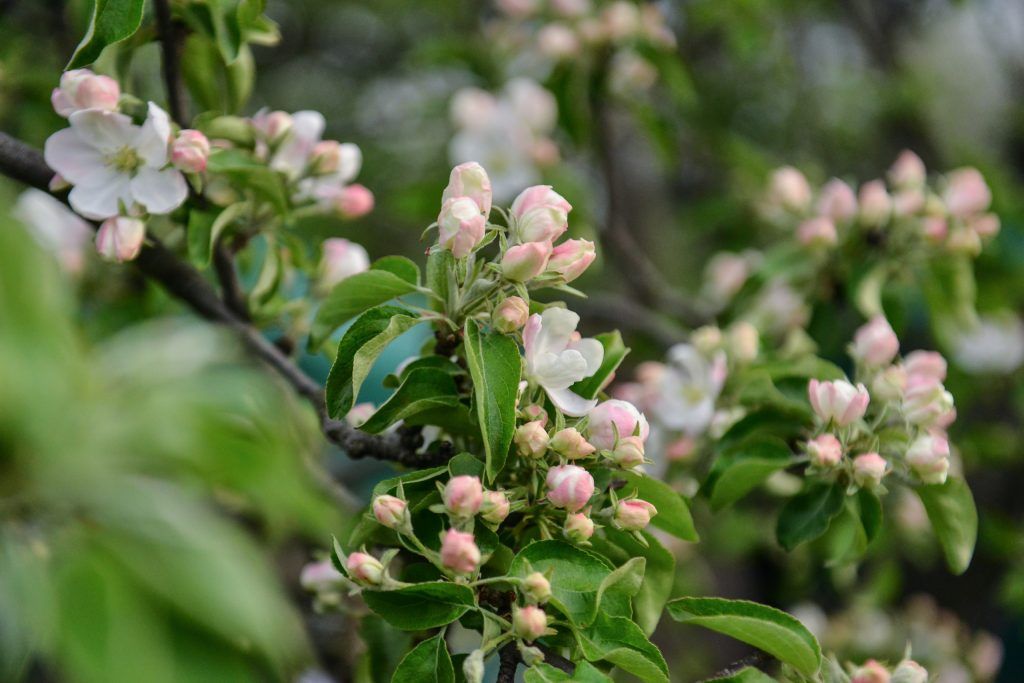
x: 688, y: 388
x: 57, y: 229
x: 994, y: 345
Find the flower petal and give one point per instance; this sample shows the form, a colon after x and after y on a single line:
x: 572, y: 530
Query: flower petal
x: 559, y: 370
x: 159, y: 191
x: 293, y: 154
x: 592, y: 352
x: 100, y: 201
x: 153, y: 138
x: 107, y: 131
x: 71, y: 156
x: 570, y: 403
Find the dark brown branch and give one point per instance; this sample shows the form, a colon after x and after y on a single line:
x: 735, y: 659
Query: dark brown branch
x: 24, y: 163
x: 231, y: 289
x: 757, y: 660
x: 172, y: 36
x: 509, y: 658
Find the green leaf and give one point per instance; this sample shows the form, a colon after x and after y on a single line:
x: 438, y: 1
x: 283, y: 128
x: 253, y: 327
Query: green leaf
x: 204, y: 227
x: 625, y: 580
x: 112, y: 21
x: 496, y: 367
x: 744, y: 467
x: 954, y: 519
x: 466, y: 464
x: 620, y: 641
x: 440, y: 267
x: 807, y: 515
x: 747, y: 674
x: 766, y: 628
x: 367, y: 354
x: 614, y: 353
x: 422, y: 390
x: 421, y: 606
x: 673, y: 512
x: 341, y: 390
x: 352, y: 296
x: 545, y: 673
x: 659, y: 572
x: 414, y: 477
x: 400, y: 266
x: 252, y: 174
x: 428, y: 661
x: 576, y: 576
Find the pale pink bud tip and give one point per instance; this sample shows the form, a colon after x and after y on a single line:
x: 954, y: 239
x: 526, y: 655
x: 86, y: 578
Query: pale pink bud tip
x: 470, y: 180
x: 838, y: 401
x: 817, y: 232
x: 967, y: 193
x: 525, y: 261
x: 190, y: 151
x: 390, y: 511
x: 570, y: 258
x: 341, y: 259
x: 614, y: 419
x: 82, y: 89
x: 531, y: 439
x: 459, y: 552
x: 837, y: 201
x: 510, y: 315
x: 875, y: 203
x: 871, y: 672
x: 634, y: 514
x: 355, y: 201
x: 365, y: 569
x: 540, y: 214
x: 869, y: 469
x: 536, y: 588
x: 529, y: 623
x: 463, y: 496
x: 578, y: 527
x: 928, y: 456
x: 629, y: 452
x: 789, y: 189
x: 571, y: 444
x: 875, y: 343
x: 909, y: 671
x: 569, y: 487
x: 825, y: 451
x: 461, y: 226
x: 908, y: 170
x: 495, y: 507
x: 120, y: 238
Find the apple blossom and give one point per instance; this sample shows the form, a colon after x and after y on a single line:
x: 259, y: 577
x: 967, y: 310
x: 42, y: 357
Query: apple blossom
x: 621, y: 19
x: 461, y: 226
x: 531, y: 439
x: 579, y: 527
x: 536, y: 588
x: 540, y: 214
x: 838, y: 401
x: 111, y: 162
x: 615, y: 419
x: 928, y: 456
x: 569, y: 487
x: 909, y: 671
x: 341, y: 259
x: 470, y: 180
x: 837, y: 201
x: 365, y: 569
x: 634, y: 514
x: 558, y: 41
x: 994, y: 344
x: 320, y: 576
x: 556, y: 358
x: 459, y: 552
x: 908, y: 170
x: 966, y: 192
x: 875, y: 343
x: 120, y: 238
x: 890, y: 383
x: 875, y: 203
x: 570, y: 444
x: 55, y: 227
x: 463, y: 496
x: 495, y: 507
x: 354, y: 201
x: 628, y: 452
x: 925, y: 364
x: 189, y: 151
x: 570, y: 258
x: 688, y: 389
x: 817, y: 232
x: 789, y: 189
x: 510, y: 315
x: 868, y: 469
x: 529, y: 623
x: 926, y: 401
x: 272, y: 125
x: 360, y: 413
x: 82, y: 89
x: 825, y: 451
x: 390, y: 511
x: 525, y: 261
x: 297, y: 142
x: 870, y: 672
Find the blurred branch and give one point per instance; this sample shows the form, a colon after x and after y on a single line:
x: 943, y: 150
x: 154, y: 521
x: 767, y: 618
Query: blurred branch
x: 231, y: 288
x: 26, y: 164
x: 757, y: 660
x: 625, y: 314
x: 172, y: 36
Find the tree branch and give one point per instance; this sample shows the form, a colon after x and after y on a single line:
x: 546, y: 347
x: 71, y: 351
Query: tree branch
x: 26, y: 164
x: 172, y: 35
x: 231, y: 289
x: 509, y: 658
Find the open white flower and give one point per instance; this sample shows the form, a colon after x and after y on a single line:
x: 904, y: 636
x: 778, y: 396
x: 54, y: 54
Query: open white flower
x: 304, y: 140
x: 557, y: 358
x: 688, y: 388
x: 111, y: 162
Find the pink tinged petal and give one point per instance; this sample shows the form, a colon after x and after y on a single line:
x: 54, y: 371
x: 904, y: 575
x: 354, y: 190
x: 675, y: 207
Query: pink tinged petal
x: 530, y: 332
x: 107, y: 131
x: 812, y: 394
x: 101, y: 201
x: 153, y: 138
x: 560, y: 371
x: 592, y: 352
x: 72, y: 157
x: 570, y: 403
x: 293, y: 154
x: 159, y: 191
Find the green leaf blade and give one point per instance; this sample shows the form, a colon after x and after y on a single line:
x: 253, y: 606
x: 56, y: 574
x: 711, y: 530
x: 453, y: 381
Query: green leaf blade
x: 112, y: 21
x: 428, y: 661
x: 496, y: 368
x: 954, y: 519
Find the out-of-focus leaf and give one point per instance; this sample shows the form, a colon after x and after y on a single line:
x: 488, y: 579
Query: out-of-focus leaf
x: 954, y: 519
x: 112, y: 21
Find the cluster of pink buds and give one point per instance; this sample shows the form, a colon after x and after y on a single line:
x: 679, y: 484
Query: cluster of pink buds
x: 872, y: 671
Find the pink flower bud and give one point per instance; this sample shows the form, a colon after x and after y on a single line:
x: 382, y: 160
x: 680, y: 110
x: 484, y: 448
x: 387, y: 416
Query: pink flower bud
x: 935, y: 229
x: 360, y: 413
x: 529, y: 623
x: 470, y: 180
x: 868, y: 469
x: 966, y: 193
x: 189, y: 151
x: 875, y: 203
x: 536, y: 588
x: 909, y: 671
x: 825, y: 451
x: 526, y: 261
x: 461, y: 226
x: 459, y: 552
x: 634, y: 514
x: 354, y: 201
x: 365, y: 569
x: 875, y: 344
x: 540, y: 214
x: 495, y: 507
x: 725, y: 275
x: 320, y: 576
x: 510, y: 315
x: 463, y: 496
x: 838, y: 401
x: 536, y: 413
x: 326, y: 156
x: 570, y: 444
x: 569, y: 487
x: 629, y: 452
x: 531, y: 439
x: 578, y: 527
x: 889, y: 384
x: 870, y: 672
x: 925, y: 364
x: 837, y: 201
x: 681, y: 449
x: 908, y: 202
x: 621, y: 20
x: 570, y: 258
x: 390, y: 511
x: 789, y: 189
x: 557, y: 41
x: 273, y: 125
x: 928, y: 456
x: 82, y: 89
x: 907, y: 171
x: 744, y: 341
x: 341, y: 259
x: 612, y: 418
x: 926, y: 401
x: 120, y: 238
x: 985, y: 225
x: 817, y: 232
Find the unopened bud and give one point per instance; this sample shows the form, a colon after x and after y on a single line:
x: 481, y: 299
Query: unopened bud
x: 870, y: 672
x: 875, y: 344
x: 365, y: 569
x: 495, y: 507
x: 634, y: 514
x: 868, y: 469
x: 529, y: 623
x: 120, y: 238
x: 461, y: 226
x: 525, y: 261
x: 928, y: 456
x: 470, y: 180
x: 875, y: 203
x: 390, y: 511
x: 570, y: 444
x: 909, y: 671
x: 570, y: 258
x: 189, y: 151
x: 320, y: 576
x: 817, y: 232
x: 579, y: 527
x: 837, y: 201
x: 612, y: 418
x: 531, y: 439
x: 907, y: 171
x: 569, y: 487
x: 838, y: 400
x: 510, y: 315
x: 540, y: 214
x: 789, y: 189
x: 966, y: 193
x: 825, y: 451
x: 340, y: 259
x: 354, y: 201
x: 889, y: 384
x: 459, y: 552
x: 536, y: 588
x: 82, y: 89
x: 463, y: 496
x: 629, y: 452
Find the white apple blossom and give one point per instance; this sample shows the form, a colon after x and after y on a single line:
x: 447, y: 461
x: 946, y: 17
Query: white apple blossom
x: 557, y: 358
x: 115, y: 165
x: 687, y: 389
x: 57, y: 229
x: 994, y: 345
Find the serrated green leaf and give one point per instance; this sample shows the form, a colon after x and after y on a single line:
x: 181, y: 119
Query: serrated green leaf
x: 112, y: 21
x: 545, y: 673
x: 807, y: 515
x: 620, y: 641
x: 659, y: 572
x: 744, y: 467
x: 614, y: 353
x: 204, y: 227
x: 428, y: 661
x: 575, y: 574
x: 424, y: 389
x: 368, y: 353
x: 766, y: 628
x: 352, y: 296
x: 496, y: 368
x: 673, y: 511
x: 954, y: 519
x: 421, y: 606
x: 255, y: 175
x: 747, y: 674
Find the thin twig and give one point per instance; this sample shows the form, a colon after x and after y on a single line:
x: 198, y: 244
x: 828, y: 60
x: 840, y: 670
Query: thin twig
x: 172, y: 34
x: 757, y: 660
x: 231, y: 289
x: 509, y: 658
